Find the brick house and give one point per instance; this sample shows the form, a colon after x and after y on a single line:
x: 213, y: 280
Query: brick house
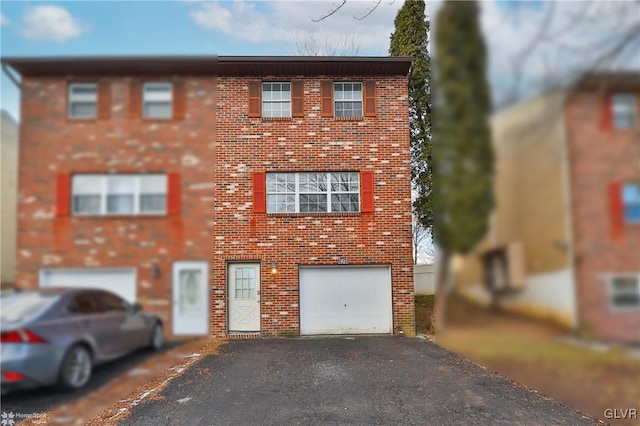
x: 235, y: 196
x: 564, y: 243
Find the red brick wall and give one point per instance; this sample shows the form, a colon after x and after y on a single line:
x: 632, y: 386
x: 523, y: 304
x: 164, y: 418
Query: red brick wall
x: 313, y: 143
x: 216, y: 210
x: 598, y: 157
x: 52, y: 144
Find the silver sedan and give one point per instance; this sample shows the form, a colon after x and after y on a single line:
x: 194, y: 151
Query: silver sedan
x: 56, y: 335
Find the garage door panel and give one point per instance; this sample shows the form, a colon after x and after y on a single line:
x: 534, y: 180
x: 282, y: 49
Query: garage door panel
x: 345, y: 300
x: 119, y: 281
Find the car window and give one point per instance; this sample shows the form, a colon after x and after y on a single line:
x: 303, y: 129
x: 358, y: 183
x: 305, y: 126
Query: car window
x: 21, y: 306
x: 84, y: 304
x: 113, y: 303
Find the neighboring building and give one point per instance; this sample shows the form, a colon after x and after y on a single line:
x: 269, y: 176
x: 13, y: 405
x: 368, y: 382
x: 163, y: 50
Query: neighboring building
x: 564, y: 240
x: 8, y: 191
x: 424, y: 279
x: 235, y: 196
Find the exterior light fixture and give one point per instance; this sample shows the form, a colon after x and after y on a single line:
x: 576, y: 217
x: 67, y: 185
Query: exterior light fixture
x: 274, y: 268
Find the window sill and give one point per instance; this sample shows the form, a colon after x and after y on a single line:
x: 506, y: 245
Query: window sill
x: 315, y: 214
x: 277, y: 118
x: 121, y: 216
x: 621, y: 310
x: 159, y: 119
x: 349, y: 118
x: 82, y: 119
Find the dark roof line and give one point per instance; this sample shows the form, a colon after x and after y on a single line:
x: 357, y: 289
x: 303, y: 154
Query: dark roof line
x: 209, y: 65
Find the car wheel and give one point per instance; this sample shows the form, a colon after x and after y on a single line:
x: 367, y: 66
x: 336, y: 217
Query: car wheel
x: 157, y: 337
x: 75, y: 371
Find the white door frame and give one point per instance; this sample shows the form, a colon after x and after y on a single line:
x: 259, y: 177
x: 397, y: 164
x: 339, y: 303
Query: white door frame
x: 195, y: 324
x: 255, y: 326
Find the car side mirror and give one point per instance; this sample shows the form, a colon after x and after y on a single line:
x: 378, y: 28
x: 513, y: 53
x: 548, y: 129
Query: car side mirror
x: 136, y: 307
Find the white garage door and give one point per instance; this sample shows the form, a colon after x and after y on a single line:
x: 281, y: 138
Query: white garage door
x: 119, y: 281
x: 345, y: 300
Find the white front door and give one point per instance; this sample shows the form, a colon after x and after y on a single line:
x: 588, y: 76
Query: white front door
x: 190, y: 298
x: 244, y: 297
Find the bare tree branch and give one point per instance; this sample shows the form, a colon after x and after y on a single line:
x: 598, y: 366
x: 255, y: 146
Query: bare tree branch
x: 571, y: 40
x: 369, y: 11
x: 308, y: 45
x: 331, y: 12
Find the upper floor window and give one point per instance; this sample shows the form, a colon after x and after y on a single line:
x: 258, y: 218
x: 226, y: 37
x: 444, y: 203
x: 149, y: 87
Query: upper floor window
x: 119, y: 194
x: 625, y: 291
x: 313, y: 192
x: 624, y: 111
x: 83, y: 100
x: 631, y: 202
x: 347, y: 99
x: 272, y: 99
x: 276, y: 99
x: 157, y: 100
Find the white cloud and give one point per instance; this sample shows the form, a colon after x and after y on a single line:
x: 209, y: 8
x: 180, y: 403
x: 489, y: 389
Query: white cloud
x: 213, y: 16
x: 291, y: 22
x: 50, y: 22
x: 3, y: 20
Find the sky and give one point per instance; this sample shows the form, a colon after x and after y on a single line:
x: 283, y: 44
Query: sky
x: 185, y: 27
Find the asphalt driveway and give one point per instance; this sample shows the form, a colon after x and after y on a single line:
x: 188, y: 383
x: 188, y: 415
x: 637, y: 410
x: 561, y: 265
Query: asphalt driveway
x: 362, y: 380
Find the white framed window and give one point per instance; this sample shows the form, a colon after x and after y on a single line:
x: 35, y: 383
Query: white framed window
x: 83, y: 100
x: 121, y: 194
x: 276, y: 99
x: 624, y: 111
x: 313, y: 192
x: 157, y: 100
x: 347, y: 98
x: 624, y: 291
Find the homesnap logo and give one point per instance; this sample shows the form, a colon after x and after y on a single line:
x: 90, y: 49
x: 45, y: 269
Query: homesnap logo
x: 8, y: 419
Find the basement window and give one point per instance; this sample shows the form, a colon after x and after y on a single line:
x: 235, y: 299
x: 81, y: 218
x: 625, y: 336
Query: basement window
x: 625, y: 291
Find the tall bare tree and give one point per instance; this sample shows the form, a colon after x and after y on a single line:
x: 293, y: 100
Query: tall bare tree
x: 307, y: 44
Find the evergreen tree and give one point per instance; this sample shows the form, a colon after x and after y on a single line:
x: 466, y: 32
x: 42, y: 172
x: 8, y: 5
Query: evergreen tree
x: 462, y: 150
x: 410, y: 38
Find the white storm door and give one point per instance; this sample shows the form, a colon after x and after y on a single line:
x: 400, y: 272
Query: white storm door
x: 190, y: 298
x: 244, y: 297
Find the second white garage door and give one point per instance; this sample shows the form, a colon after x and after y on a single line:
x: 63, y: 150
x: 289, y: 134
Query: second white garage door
x: 121, y: 281
x: 345, y: 300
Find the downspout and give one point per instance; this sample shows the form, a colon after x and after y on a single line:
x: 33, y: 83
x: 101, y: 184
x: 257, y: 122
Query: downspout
x: 566, y: 183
